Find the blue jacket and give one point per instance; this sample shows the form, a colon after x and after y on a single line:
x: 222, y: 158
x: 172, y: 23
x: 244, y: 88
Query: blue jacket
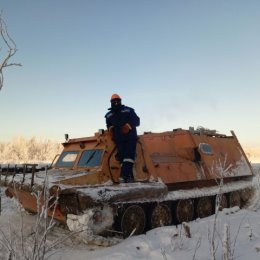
x: 125, y: 115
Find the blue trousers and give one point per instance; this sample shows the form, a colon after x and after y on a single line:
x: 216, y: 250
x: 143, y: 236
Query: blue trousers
x: 126, y: 155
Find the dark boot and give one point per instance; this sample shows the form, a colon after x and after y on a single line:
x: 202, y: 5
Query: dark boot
x: 127, y: 172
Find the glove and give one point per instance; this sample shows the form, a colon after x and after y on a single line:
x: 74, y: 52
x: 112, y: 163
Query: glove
x: 125, y: 128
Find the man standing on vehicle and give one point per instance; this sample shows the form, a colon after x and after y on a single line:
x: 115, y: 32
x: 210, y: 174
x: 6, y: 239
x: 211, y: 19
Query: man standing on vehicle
x: 122, y: 121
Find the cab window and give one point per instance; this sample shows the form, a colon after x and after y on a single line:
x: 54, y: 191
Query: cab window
x: 90, y: 158
x: 67, y: 159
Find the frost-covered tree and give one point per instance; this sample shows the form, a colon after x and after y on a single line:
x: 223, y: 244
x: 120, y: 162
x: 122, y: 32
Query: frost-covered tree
x: 33, y: 150
x: 1, y: 147
x: 15, y: 150
x: 7, y: 49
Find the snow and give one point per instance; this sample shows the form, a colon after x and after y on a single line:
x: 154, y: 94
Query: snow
x: 236, y: 235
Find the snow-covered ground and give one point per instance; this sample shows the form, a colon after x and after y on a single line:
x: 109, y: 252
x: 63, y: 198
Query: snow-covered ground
x: 241, y: 242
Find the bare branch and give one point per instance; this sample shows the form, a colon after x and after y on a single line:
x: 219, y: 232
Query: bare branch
x: 11, y: 50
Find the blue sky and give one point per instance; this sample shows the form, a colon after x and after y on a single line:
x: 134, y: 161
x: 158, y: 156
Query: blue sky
x: 178, y: 63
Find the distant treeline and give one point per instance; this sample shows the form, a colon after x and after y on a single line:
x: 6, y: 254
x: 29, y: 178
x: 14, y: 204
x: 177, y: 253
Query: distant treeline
x: 33, y: 150
x: 253, y: 153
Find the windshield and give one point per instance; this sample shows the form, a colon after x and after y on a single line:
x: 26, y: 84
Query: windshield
x: 67, y: 159
x: 90, y: 158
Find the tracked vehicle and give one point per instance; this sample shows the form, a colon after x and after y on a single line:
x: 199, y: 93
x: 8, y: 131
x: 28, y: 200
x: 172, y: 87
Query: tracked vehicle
x: 178, y: 176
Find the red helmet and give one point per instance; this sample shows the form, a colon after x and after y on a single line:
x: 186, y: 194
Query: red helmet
x: 115, y: 96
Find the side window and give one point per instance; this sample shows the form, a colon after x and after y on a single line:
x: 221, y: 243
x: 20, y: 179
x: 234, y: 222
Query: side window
x: 90, y: 158
x: 205, y: 148
x: 66, y: 159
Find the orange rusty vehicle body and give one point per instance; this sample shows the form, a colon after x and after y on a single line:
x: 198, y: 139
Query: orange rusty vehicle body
x: 175, y: 172
x: 175, y: 157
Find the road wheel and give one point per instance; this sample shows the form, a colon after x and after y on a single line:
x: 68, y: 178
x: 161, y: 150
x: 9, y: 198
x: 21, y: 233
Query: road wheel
x: 246, y: 195
x: 234, y: 199
x: 161, y: 215
x: 133, y: 220
x: 184, y: 210
x: 223, y: 202
x: 204, y: 207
